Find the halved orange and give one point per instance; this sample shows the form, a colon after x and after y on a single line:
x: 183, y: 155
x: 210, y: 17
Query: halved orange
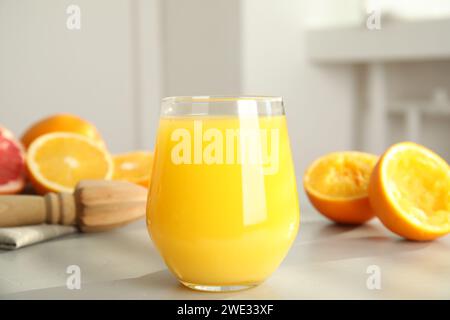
x: 337, y: 183
x: 58, y: 161
x: 134, y: 167
x: 63, y: 122
x: 410, y: 192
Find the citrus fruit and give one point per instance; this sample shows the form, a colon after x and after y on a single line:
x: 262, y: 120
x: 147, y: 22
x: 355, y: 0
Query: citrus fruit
x: 134, y: 167
x: 58, y: 161
x: 410, y: 192
x: 12, y: 163
x: 60, y: 123
x: 337, y: 183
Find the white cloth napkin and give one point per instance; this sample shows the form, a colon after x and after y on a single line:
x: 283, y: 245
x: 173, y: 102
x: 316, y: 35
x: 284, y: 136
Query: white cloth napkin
x: 17, y: 237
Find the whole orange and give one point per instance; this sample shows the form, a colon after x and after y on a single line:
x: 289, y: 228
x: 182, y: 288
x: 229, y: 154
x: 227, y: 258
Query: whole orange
x: 61, y: 123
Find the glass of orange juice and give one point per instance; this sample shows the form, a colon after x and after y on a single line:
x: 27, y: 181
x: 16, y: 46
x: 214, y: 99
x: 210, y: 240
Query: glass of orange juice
x: 223, y: 207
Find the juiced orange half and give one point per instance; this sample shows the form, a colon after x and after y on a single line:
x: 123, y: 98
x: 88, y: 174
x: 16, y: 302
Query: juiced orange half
x: 337, y: 183
x: 410, y: 192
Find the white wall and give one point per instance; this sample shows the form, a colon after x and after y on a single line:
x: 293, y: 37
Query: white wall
x: 95, y: 72
x: 202, y: 53
x: 148, y: 69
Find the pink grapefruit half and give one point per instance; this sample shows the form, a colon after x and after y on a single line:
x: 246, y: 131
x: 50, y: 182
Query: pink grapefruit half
x: 12, y: 163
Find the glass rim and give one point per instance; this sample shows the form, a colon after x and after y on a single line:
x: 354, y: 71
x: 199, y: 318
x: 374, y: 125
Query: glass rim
x: 221, y: 98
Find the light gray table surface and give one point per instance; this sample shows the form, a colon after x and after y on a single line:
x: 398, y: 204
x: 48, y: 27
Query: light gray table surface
x: 326, y: 261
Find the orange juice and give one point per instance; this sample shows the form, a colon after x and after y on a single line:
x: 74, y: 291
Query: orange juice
x: 223, y: 206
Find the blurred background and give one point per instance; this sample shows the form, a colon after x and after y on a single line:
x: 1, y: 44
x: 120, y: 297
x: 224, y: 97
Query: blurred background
x: 354, y: 74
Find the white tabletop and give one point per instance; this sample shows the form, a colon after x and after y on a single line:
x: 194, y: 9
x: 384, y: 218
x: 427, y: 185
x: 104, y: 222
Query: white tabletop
x: 326, y: 261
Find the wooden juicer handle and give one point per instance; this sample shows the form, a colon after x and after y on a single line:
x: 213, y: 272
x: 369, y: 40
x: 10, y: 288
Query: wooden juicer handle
x: 95, y: 205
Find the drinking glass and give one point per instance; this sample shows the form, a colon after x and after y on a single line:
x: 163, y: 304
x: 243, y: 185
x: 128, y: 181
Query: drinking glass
x: 223, y: 207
